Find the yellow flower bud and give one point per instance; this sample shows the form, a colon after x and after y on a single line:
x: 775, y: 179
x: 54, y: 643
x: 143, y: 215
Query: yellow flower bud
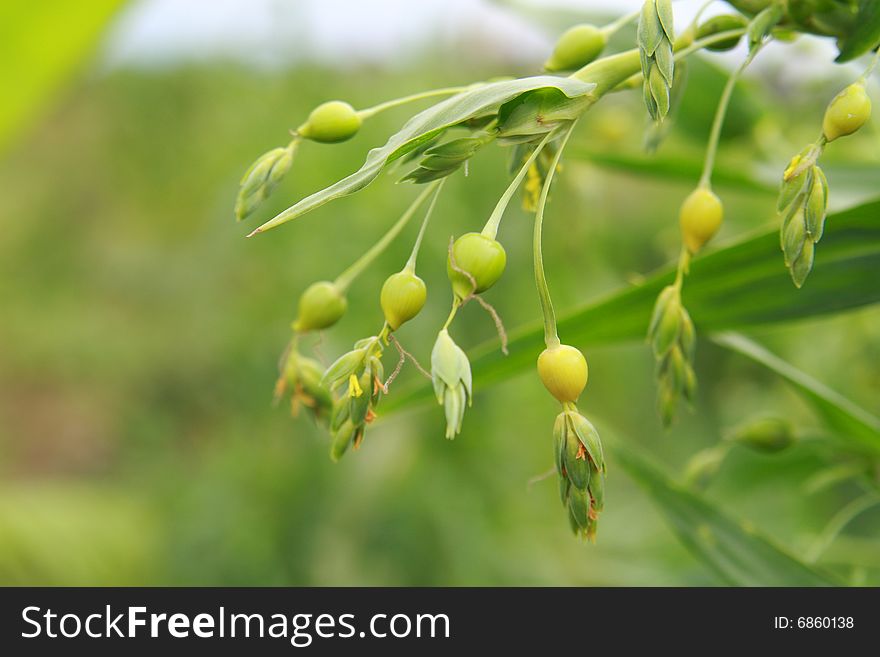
x: 577, y: 47
x: 331, y: 122
x: 480, y: 256
x: 700, y: 218
x: 402, y: 298
x: 563, y: 370
x: 320, y: 307
x: 847, y: 112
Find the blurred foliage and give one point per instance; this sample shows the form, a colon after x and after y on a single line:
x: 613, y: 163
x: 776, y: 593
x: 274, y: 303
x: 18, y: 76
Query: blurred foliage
x: 41, y: 44
x: 141, y: 331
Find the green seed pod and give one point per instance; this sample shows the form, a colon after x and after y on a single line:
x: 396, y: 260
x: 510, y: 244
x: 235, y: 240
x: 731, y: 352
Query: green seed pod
x: 564, y: 488
x: 577, y: 47
x: 331, y: 122
x: 480, y: 256
x: 403, y: 297
x: 847, y: 112
x: 801, y: 267
x: 579, y: 505
x: 343, y: 367
x: 700, y: 218
x: 320, y: 307
x: 563, y: 370
x: 260, y: 179
x: 309, y: 373
x: 770, y: 435
x: 688, y: 336
x: 723, y: 23
x: 794, y: 234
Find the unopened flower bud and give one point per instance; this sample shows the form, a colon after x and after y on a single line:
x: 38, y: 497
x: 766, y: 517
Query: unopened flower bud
x: 320, y: 307
x: 563, y: 370
x: 770, y: 435
x: 260, y: 179
x: 476, y: 263
x: 331, y: 122
x: 403, y: 297
x: 577, y: 47
x: 700, y: 218
x: 847, y: 112
x: 451, y: 375
x: 722, y: 23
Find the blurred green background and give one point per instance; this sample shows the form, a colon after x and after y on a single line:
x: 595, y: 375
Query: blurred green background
x: 139, y: 335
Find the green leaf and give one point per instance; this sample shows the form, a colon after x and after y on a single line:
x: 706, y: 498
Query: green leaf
x: 735, y: 552
x: 44, y: 44
x: 735, y: 287
x: 479, y: 101
x: 866, y: 34
x: 851, y: 422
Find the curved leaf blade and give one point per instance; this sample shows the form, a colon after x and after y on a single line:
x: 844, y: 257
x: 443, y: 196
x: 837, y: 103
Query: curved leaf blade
x: 477, y: 102
x: 850, y: 421
x: 738, y: 554
x: 866, y: 34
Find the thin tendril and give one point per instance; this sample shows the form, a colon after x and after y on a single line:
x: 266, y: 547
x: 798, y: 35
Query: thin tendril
x: 403, y: 100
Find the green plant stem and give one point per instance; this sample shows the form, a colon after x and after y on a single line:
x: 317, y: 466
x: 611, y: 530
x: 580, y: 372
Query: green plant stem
x: 551, y: 338
x: 839, y: 522
x: 411, y: 263
x: 718, y: 122
x: 684, y: 263
x: 404, y: 100
x: 349, y: 275
x: 456, y: 304
x: 683, y: 49
x: 871, y: 66
x: 612, y: 27
x: 491, y: 227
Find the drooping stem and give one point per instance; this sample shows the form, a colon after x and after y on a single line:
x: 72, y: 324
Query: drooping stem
x: 551, y: 338
x: 456, y: 304
x: 404, y: 100
x: 411, y: 263
x: 718, y: 122
x: 347, y: 277
x: 683, y: 49
x: 871, y: 66
x: 491, y: 227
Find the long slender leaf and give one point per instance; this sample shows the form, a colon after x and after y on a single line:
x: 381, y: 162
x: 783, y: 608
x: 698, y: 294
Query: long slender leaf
x: 742, y: 285
x: 850, y: 421
x: 43, y: 45
x: 479, y: 101
x: 736, y: 553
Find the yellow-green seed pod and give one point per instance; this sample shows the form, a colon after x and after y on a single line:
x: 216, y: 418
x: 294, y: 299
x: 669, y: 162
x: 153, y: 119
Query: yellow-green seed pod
x: 331, y: 122
x: 723, y: 23
x: 768, y: 435
x: 564, y: 372
x: 480, y: 256
x: 320, y: 307
x: 847, y: 112
x: 577, y: 47
x: 700, y: 218
x: 403, y: 297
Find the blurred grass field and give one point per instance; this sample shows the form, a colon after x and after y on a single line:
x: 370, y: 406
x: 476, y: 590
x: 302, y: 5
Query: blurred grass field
x: 140, y: 333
